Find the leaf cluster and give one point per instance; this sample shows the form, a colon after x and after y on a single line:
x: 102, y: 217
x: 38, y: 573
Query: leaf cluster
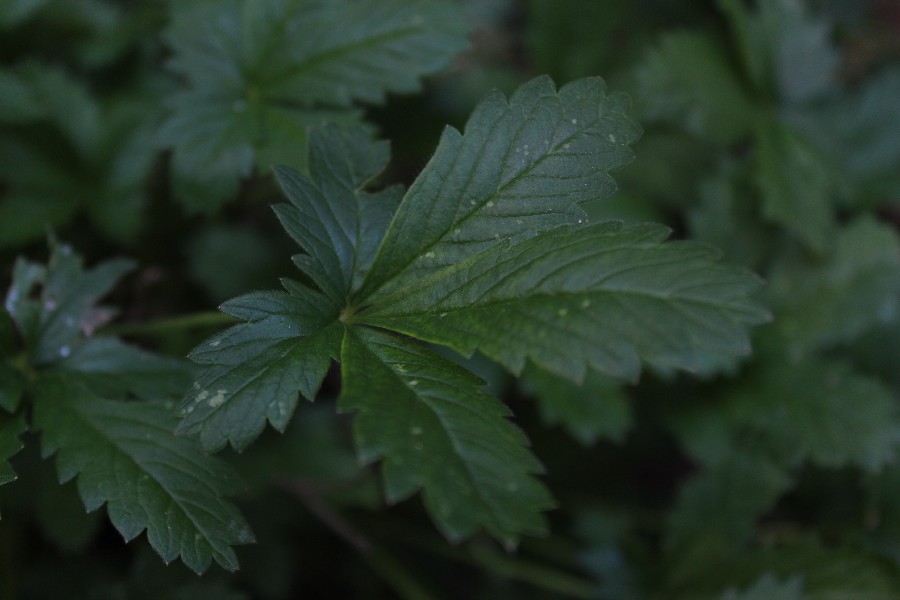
x: 503, y: 344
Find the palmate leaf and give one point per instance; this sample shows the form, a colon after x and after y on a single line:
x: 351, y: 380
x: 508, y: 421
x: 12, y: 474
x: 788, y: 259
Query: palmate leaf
x: 825, y: 303
x: 75, y: 386
x: 435, y: 429
x: 818, y: 410
x: 289, y: 341
x: 485, y: 251
x: 786, y: 51
x: 263, y: 71
x: 687, y: 80
x: 850, y: 131
x: 125, y: 455
x: 72, y: 152
x: 599, y: 296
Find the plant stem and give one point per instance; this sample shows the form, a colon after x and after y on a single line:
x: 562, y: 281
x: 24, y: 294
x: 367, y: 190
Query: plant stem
x: 169, y: 324
x: 378, y: 559
x: 396, y: 576
x: 537, y: 574
x: 484, y: 556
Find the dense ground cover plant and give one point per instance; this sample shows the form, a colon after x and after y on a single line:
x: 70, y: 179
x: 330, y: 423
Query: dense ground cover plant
x: 444, y: 324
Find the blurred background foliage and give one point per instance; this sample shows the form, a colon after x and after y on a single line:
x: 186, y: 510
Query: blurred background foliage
x: 772, y: 131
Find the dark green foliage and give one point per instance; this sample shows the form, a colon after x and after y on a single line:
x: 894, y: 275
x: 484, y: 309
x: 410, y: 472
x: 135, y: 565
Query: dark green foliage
x: 436, y: 430
x: 577, y: 343
x: 125, y: 456
x: 262, y: 72
x: 80, y: 392
x: 542, y: 278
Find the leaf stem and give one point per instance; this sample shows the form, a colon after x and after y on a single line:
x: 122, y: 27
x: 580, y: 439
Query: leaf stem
x: 483, y: 556
x: 378, y: 559
x: 534, y: 573
x: 169, y: 324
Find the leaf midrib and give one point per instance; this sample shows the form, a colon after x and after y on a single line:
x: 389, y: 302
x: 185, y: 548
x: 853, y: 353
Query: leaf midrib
x: 500, y: 189
x: 335, y: 54
x: 422, y: 399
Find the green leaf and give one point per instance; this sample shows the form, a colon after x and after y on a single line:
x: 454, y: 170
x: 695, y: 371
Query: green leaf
x: 53, y: 307
x: 338, y: 224
x: 521, y: 167
x: 817, y: 410
x: 597, y: 409
x: 715, y: 516
x: 794, y: 183
x: 574, y: 39
x: 111, y: 368
x: 829, y: 572
x: 13, y: 12
x: 824, y: 303
x: 686, y: 80
x: 807, y: 60
x: 25, y: 313
x: 263, y: 71
x: 11, y: 428
x: 536, y: 284
x: 258, y: 367
x: 599, y: 296
x: 73, y: 152
x: 56, y: 96
x: 787, y: 53
x: 727, y: 218
x: 851, y: 130
x: 12, y: 387
x: 768, y: 587
x: 125, y: 455
x: 435, y: 430
x: 17, y: 101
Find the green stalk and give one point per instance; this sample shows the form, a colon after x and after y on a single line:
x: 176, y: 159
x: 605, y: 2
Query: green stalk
x: 170, y: 324
x: 489, y: 559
